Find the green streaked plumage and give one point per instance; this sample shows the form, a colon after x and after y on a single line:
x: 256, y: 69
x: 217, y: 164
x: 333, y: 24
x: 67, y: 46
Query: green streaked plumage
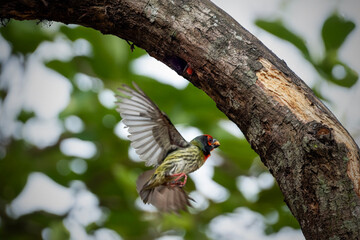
x: 184, y: 160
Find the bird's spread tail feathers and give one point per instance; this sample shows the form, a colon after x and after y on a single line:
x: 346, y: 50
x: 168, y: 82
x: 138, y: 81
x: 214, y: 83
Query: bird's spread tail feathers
x: 164, y: 197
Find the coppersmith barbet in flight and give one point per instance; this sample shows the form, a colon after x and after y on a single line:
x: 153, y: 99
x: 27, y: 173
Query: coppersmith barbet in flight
x: 158, y: 143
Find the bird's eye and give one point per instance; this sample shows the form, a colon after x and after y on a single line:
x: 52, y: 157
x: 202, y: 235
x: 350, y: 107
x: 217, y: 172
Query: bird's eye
x: 210, y: 140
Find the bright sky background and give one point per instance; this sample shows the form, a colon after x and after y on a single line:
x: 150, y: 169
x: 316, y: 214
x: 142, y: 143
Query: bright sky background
x: 305, y: 17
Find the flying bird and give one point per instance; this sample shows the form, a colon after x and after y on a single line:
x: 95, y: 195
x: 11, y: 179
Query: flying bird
x: 158, y: 143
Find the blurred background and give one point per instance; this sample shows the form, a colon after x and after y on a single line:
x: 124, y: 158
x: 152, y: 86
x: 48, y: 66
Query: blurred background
x: 66, y: 169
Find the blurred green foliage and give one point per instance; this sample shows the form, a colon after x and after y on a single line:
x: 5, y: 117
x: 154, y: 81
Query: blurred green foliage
x: 334, y: 32
x: 110, y: 174
x: 16, y: 34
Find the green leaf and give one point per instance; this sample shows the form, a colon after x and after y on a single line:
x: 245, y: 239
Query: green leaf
x: 278, y: 29
x: 58, y: 231
x: 25, y: 36
x: 316, y: 89
x: 239, y: 151
x: 111, y: 56
x: 335, y: 30
x: 25, y: 115
x: 326, y: 69
x: 67, y: 69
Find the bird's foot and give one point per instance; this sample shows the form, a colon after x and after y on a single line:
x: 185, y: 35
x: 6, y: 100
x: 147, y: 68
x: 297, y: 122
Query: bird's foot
x: 176, y: 182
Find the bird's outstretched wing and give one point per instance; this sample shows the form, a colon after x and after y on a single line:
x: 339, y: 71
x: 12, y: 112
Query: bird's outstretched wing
x: 152, y: 134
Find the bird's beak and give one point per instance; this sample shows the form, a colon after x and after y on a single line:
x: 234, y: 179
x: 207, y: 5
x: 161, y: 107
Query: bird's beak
x: 215, y: 143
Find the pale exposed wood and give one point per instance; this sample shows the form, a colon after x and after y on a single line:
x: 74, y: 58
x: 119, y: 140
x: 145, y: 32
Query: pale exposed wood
x: 276, y: 84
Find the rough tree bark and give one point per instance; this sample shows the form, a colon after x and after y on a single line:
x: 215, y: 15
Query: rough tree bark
x: 313, y: 158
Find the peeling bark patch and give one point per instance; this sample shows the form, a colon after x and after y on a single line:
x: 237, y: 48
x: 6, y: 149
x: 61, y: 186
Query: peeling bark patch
x: 284, y: 91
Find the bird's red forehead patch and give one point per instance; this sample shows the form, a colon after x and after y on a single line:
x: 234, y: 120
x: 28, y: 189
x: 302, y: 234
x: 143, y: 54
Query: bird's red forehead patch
x: 208, y: 136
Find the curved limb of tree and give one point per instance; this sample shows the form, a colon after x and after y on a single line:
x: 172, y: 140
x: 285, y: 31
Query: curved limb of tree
x: 313, y: 158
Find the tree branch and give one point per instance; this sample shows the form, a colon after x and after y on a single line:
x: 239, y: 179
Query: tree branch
x: 313, y: 158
